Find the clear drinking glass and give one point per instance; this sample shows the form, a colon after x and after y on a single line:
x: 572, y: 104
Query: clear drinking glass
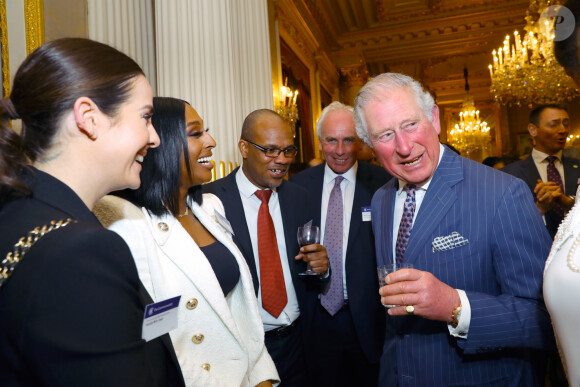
x: 308, y: 235
x: 383, y: 270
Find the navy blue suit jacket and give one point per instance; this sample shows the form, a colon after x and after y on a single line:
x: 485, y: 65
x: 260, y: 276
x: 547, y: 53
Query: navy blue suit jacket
x: 365, y: 307
x: 527, y: 171
x: 296, y: 212
x: 500, y: 270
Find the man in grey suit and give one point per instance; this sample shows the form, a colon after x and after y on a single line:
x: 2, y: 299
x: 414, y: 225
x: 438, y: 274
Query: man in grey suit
x: 471, y: 311
x: 347, y: 337
x: 552, y: 178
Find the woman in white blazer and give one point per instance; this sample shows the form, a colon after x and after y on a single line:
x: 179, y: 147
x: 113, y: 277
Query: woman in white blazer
x: 182, y: 246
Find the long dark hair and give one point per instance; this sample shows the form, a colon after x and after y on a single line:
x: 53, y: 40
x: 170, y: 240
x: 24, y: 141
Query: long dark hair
x: 45, y: 87
x: 161, y: 173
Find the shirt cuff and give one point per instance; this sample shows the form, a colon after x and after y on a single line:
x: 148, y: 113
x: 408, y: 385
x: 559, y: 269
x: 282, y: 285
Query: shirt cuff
x: 464, y: 319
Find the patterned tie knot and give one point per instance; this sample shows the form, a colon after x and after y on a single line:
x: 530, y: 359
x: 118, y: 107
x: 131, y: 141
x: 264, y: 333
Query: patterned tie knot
x: 410, y: 188
x: 551, y: 159
x: 264, y: 195
x: 338, y: 180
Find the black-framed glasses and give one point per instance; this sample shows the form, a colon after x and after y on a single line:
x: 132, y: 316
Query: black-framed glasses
x: 290, y: 151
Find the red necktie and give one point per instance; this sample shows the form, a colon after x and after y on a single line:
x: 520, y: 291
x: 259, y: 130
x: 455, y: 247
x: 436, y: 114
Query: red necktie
x: 274, y: 297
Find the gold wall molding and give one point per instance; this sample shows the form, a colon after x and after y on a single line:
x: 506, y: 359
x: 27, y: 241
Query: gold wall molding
x: 34, y: 22
x: 4, y: 49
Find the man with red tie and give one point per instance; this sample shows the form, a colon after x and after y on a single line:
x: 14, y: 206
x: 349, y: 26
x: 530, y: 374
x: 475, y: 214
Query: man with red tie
x: 553, y: 179
x: 265, y: 212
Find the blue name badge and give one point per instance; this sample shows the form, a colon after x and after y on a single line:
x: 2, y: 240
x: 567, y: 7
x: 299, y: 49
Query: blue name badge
x: 160, y: 318
x: 366, y: 214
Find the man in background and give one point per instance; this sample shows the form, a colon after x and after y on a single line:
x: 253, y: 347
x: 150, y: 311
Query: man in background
x: 264, y: 212
x: 349, y: 319
x: 553, y: 179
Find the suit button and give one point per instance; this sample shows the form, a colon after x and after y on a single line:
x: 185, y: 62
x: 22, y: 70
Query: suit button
x: 191, y: 303
x: 163, y: 226
x: 197, y: 338
x: 206, y: 366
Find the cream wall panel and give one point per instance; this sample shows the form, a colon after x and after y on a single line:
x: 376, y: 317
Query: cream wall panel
x: 128, y: 26
x: 215, y: 54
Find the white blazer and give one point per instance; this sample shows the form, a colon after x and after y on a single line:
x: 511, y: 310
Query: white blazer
x: 219, y: 341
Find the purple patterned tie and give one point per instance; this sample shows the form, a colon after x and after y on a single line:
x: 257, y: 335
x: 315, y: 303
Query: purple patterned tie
x: 554, y: 175
x: 406, y: 224
x: 332, y: 299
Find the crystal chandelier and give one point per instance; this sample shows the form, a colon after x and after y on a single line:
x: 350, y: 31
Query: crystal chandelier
x: 286, y: 106
x: 470, y: 133
x: 525, y: 71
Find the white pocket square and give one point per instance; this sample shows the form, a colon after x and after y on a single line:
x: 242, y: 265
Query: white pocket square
x: 448, y: 242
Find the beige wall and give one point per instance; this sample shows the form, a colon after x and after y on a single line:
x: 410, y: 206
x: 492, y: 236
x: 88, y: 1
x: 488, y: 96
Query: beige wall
x: 65, y: 18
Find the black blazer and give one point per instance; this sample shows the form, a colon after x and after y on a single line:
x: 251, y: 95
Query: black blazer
x: 296, y: 211
x: 526, y: 170
x: 72, y: 312
x: 367, y: 312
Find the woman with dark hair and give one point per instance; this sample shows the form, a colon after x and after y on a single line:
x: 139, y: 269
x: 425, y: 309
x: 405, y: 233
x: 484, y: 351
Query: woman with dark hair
x: 182, y: 245
x: 71, y: 303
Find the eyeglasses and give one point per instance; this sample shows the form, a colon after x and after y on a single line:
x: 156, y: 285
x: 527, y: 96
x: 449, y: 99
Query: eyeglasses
x: 275, y: 152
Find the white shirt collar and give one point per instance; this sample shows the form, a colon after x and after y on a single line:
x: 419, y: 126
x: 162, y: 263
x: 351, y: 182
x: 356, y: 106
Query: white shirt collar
x: 425, y: 185
x: 539, y: 156
x: 350, y: 175
x: 245, y: 186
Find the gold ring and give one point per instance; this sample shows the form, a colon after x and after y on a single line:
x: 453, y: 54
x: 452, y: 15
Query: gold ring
x: 410, y: 309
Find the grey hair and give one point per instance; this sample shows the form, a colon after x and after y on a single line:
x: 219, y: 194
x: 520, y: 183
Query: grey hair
x: 333, y: 107
x: 382, y: 85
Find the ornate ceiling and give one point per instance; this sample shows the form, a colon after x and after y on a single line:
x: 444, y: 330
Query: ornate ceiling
x: 431, y: 40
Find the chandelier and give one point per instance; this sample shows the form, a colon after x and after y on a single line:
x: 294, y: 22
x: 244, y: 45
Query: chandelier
x: 286, y: 106
x: 470, y: 133
x: 525, y: 70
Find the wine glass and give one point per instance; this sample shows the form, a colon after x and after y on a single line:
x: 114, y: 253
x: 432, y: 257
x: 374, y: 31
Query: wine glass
x: 308, y: 235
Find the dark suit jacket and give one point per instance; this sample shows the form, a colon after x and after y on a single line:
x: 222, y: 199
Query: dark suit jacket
x: 500, y: 269
x: 72, y: 312
x: 368, y: 314
x: 296, y: 211
x: 526, y: 170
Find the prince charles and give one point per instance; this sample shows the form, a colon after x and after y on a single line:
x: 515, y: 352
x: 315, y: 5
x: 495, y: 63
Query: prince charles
x: 470, y: 311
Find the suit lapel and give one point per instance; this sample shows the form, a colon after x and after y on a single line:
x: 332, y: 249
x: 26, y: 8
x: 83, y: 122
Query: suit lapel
x: 385, y: 219
x: 317, y: 184
x: 570, y: 175
x: 287, y: 208
x: 236, y: 216
x: 530, y: 173
x: 439, y: 198
x: 361, y: 196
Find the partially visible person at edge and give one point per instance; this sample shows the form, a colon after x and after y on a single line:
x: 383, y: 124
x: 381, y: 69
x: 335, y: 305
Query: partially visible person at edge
x: 470, y: 311
x: 562, y: 272
x: 71, y: 312
x: 183, y: 246
x: 552, y: 178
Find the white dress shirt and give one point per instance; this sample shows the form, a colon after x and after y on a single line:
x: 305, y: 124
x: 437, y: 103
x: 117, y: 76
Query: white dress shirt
x: 347, y: 186
x: 251, y: 205
x: 465, y: 318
